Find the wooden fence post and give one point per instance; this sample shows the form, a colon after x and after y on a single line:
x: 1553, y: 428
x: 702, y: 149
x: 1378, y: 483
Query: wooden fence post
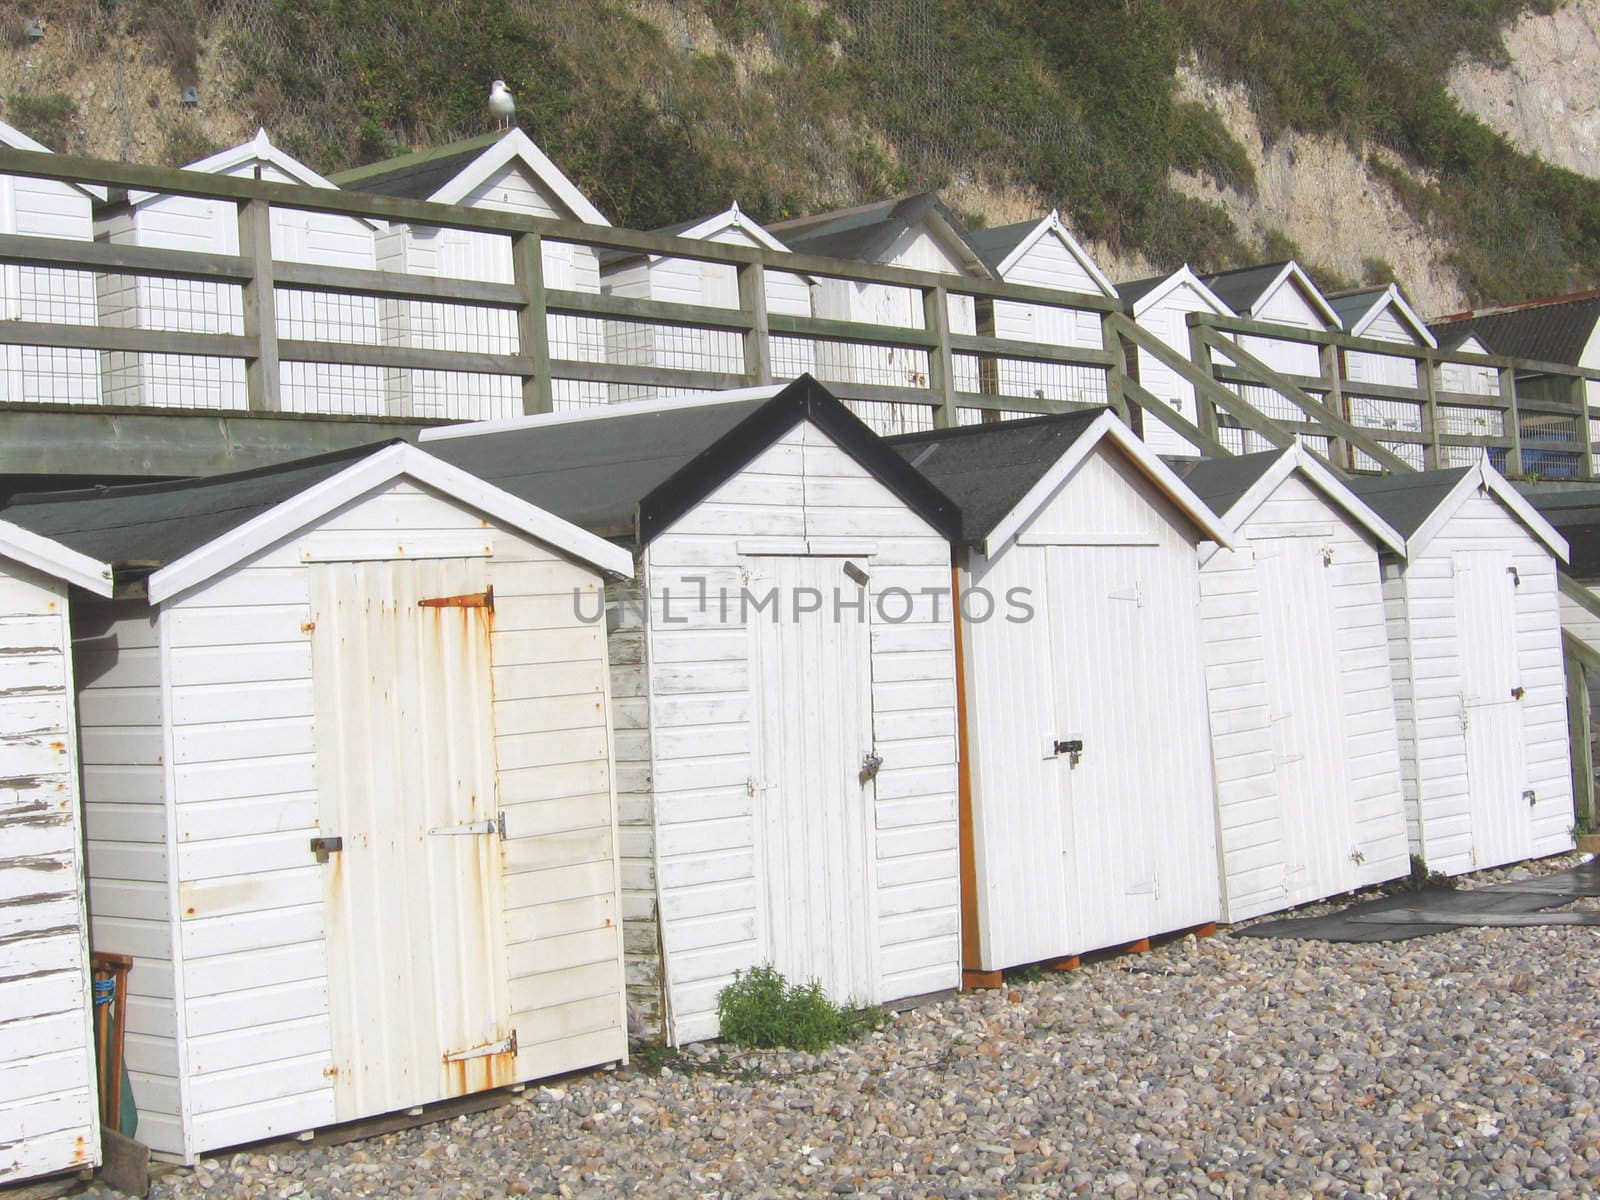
x: 1339, y: 451
x: 1508, y: 398
x: 533, y: 324
x: 941, y: 370
x: 752, y: 279
x: 1205, y: 408
x: 1433, y: 452
x: 1580, y: 401
x: 259, y: 308
x: 1117, y: 372
x: 1578, y: 730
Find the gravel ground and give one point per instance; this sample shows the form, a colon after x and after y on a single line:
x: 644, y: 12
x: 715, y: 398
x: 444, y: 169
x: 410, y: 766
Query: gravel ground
x: 1453, y: 1065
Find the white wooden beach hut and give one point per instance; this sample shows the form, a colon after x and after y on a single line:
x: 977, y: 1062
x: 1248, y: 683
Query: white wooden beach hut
x: 919, y: 232
x: 1469, y: 380
x: 212, y: 227
x: 1040, y: 253
x: 49, y: 1114
x: 1475, y: 652
x: 1304, y: 745
x: 786, y: 690
x: 1091, y: 819
x: 716, y: 285
x: 46, y: 208
x: 1382, y: 314
x: 1161, y: 306
x: 1280, y: 293
x: 505, y: 172
x: 348, y: 791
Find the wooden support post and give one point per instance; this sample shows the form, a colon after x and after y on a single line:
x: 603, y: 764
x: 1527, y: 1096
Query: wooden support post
x: 941, y: 364
x: 1142, y: 946
x: 1070, y: 963
x: 533, y: 323
x: 1117, y: 372
x: 1433, y: 452
x: 1580, y: 401
x: 1578, y: 722
x: 988, y: 364
x: 1209, y: 929
x: 1205, y: 409
x: 966, y: 825
x: 1508, y: 400
x: 1331, y: 362
x: 757, y: 339
x: 982, y: 981
x: 261, y: 375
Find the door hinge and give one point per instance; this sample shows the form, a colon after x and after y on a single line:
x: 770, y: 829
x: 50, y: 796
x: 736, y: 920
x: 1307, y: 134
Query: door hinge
x: 497, y: 825
x: 483, y: 599
x: 752, y: 788
x: 504, y: 1046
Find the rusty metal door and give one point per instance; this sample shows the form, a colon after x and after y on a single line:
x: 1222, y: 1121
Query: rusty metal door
x: 410, y: 832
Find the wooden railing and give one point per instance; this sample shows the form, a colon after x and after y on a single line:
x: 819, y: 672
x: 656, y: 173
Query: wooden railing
x: 1319, y: 406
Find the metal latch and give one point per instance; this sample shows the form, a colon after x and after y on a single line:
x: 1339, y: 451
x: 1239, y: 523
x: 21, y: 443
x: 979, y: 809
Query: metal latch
x: 324, y: 846
x: 507, y: 1046
x: 869, y: 769
x: 498, y: 825
x: 1072, y: 747
x: 1517, y: 693
x: 1516, y: 578
x: 856, y: 574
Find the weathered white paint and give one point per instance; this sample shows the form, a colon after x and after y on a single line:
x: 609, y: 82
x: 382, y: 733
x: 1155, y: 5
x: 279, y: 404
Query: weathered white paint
x: 212, y: 226
x: 700, y: 810
x: 1454, y: 607
x: 1291, y: 300
x: 211, y: 770
x: 510, y: 176
x: 1304, y: 743
x: 45, y: 208
x: 1163, y: 313
x: 716, y: 285
x: 1072, y: 857
x: 49, y: 1116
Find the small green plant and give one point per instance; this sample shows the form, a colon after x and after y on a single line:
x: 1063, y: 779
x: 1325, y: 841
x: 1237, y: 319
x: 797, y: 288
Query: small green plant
x: 762, y: 1009
x: 49, y: 118
x: 1421, y: 878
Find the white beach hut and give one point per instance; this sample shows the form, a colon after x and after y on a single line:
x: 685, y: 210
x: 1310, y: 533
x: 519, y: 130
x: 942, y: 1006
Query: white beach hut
x: 212, y: 227
x: 1475, y: 652
x: 509, y: 173
x: 46, y: 208
x: 1382, y: 314
x: 348, y: 791
x: 1304, y: 744
x: 49, y: 1114
x: 1090, y: 818
x: 1041, y: 253
x: 715, y: 285
x: 1161, y: 306
x: 785, y: 688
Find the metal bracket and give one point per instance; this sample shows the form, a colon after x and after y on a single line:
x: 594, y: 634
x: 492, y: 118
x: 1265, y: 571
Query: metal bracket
x: 498, y: 825
x: 869, y: 768
x: 505, y: 1046
x: 324, y: 846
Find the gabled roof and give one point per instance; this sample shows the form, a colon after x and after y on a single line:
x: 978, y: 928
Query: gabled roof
x: 867, y: 232
x: 1002, y: 247
x: 631, y: 470
x: 702, y: 228
x: 1245, y: 289
x: 1141, y: 295
x: 185, y: 531
x: 1002, y: 474
x: 1236, y: 487
x: 1456, y: 340
x: 1418, y: 504
x: 258, y: 150
x: 1553, y: 330
x: 1360, y: 307
x: 14, y: 139
x: 54, y: 559
x: 447, y: 174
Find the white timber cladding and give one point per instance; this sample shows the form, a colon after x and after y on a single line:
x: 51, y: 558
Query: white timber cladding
x: 48, y: 1109
x: 1288, y: 303
x: 486, y: 257
x: 1164, y: 314
x: 882, y: 304
x: 34, y: 374
x: 715, y: 285
x: 1120, y: 844
x: 1464, y: 630
x: 1304, y: 744
x: 802, y: 504
x: 212, y: 226
x: 238, y: 1043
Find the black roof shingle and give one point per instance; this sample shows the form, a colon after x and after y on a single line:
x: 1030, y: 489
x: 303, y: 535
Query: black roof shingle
x: 1555, y: 331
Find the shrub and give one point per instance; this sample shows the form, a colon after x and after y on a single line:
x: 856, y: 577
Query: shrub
x: 1421, y: 878
x: 762, y: 1009
x: 50, y: 118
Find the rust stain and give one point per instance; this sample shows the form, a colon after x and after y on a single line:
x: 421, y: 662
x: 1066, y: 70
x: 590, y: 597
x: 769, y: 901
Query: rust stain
x: 308, y: 627
x: 483, y: 599
x: 59, y: 747
x: 80, y: 1150
x: 465, y: 1076
x: 329, y: 1072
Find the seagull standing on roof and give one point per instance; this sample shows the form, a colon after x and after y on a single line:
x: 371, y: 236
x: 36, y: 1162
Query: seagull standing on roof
x: 501, y: 104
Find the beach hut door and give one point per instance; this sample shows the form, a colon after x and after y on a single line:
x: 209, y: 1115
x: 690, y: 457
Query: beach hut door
x: 816, y: 774
x: 410, y: 832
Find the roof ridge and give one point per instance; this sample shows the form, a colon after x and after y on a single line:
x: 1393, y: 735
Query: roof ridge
x: 929, y: 435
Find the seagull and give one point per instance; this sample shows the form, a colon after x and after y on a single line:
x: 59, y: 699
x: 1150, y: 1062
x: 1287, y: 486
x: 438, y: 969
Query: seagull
x: 501, y: 105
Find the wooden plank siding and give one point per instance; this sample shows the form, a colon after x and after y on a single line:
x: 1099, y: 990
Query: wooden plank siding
x: 48, y: 1103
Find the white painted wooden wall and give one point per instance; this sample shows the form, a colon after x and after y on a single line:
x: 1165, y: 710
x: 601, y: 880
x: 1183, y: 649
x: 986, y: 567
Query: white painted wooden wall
x: 485, y: 257
x: 1167, y: 321
x: 1112, y: 655
x: 1323, y: 644
x: 1389, y: 370
x: 49, y: 1116
x: 40, y: 375
x: 715, y: 285
x: 1427, y: 648
x: 1287, y: 305
x: 235, y: 1044
x: 698, y: 820
x: 208, y: 226
x: 881, y: 304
